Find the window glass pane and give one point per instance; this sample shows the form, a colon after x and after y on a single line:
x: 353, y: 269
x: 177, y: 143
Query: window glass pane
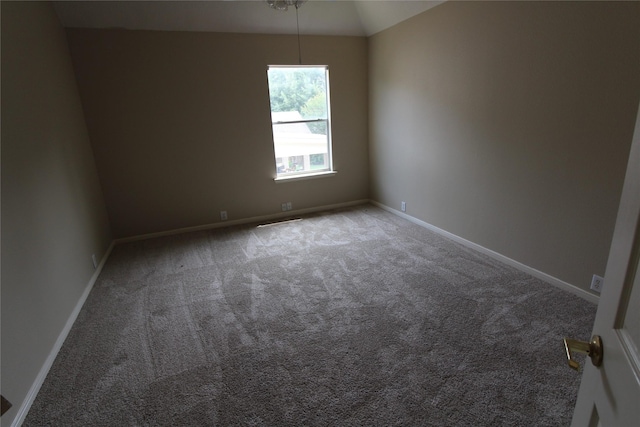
x: 319, y: 161
x: 318, y: 128
x: 298, y: 98
x: 300, y: 149
x: 297, y: 93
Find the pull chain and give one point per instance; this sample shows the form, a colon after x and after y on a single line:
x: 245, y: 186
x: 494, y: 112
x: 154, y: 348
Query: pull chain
x: 298, y: 28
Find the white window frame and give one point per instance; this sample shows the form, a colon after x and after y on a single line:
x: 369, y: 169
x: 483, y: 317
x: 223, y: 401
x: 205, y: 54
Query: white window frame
x: 304, y: 174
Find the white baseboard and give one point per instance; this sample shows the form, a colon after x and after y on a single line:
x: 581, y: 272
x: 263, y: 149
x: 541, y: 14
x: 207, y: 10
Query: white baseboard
x: 42, y: 375
x: 255, y: 219
x: 495, y: 255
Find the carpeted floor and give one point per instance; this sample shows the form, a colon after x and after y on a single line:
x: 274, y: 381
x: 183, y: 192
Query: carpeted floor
x: 353, y: 317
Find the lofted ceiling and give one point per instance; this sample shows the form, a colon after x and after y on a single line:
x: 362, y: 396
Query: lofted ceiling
x: 317, y: 17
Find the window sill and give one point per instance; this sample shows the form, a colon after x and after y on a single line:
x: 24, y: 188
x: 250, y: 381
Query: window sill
x: 323, y: 174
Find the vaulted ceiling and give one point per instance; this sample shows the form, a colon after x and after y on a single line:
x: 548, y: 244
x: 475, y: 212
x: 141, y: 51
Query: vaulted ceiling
x: 318, y: 17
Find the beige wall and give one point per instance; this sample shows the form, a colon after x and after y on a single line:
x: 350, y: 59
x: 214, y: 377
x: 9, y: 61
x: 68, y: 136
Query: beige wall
x: 181, y: 129
x: 53, y: 213
x: 509, y: 124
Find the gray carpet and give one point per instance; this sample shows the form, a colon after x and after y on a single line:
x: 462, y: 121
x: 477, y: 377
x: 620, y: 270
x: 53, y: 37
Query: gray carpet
x: 352, y: 317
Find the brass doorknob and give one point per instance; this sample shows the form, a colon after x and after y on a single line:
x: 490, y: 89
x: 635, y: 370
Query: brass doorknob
x: 592, y: 348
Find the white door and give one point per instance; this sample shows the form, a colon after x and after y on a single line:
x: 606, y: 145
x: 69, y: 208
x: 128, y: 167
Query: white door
x: 609, y: 395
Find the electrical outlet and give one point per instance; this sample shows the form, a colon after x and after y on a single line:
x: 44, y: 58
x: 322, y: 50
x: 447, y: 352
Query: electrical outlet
x: 289, y: 206
x: 95, y: 261
x: 596, y: 283
x: 284, y: 207
x: 223, y: 215
x: 403, y: 206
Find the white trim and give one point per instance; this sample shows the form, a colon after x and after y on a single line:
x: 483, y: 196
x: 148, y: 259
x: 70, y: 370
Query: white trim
x: 255, y: 219
x: 42, y: 375
x: 495, y: 255
x: 298, y: 66
x: 300, y: 177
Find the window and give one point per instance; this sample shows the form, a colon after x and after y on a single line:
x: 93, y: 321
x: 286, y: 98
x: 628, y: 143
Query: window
x: 300, y: 118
